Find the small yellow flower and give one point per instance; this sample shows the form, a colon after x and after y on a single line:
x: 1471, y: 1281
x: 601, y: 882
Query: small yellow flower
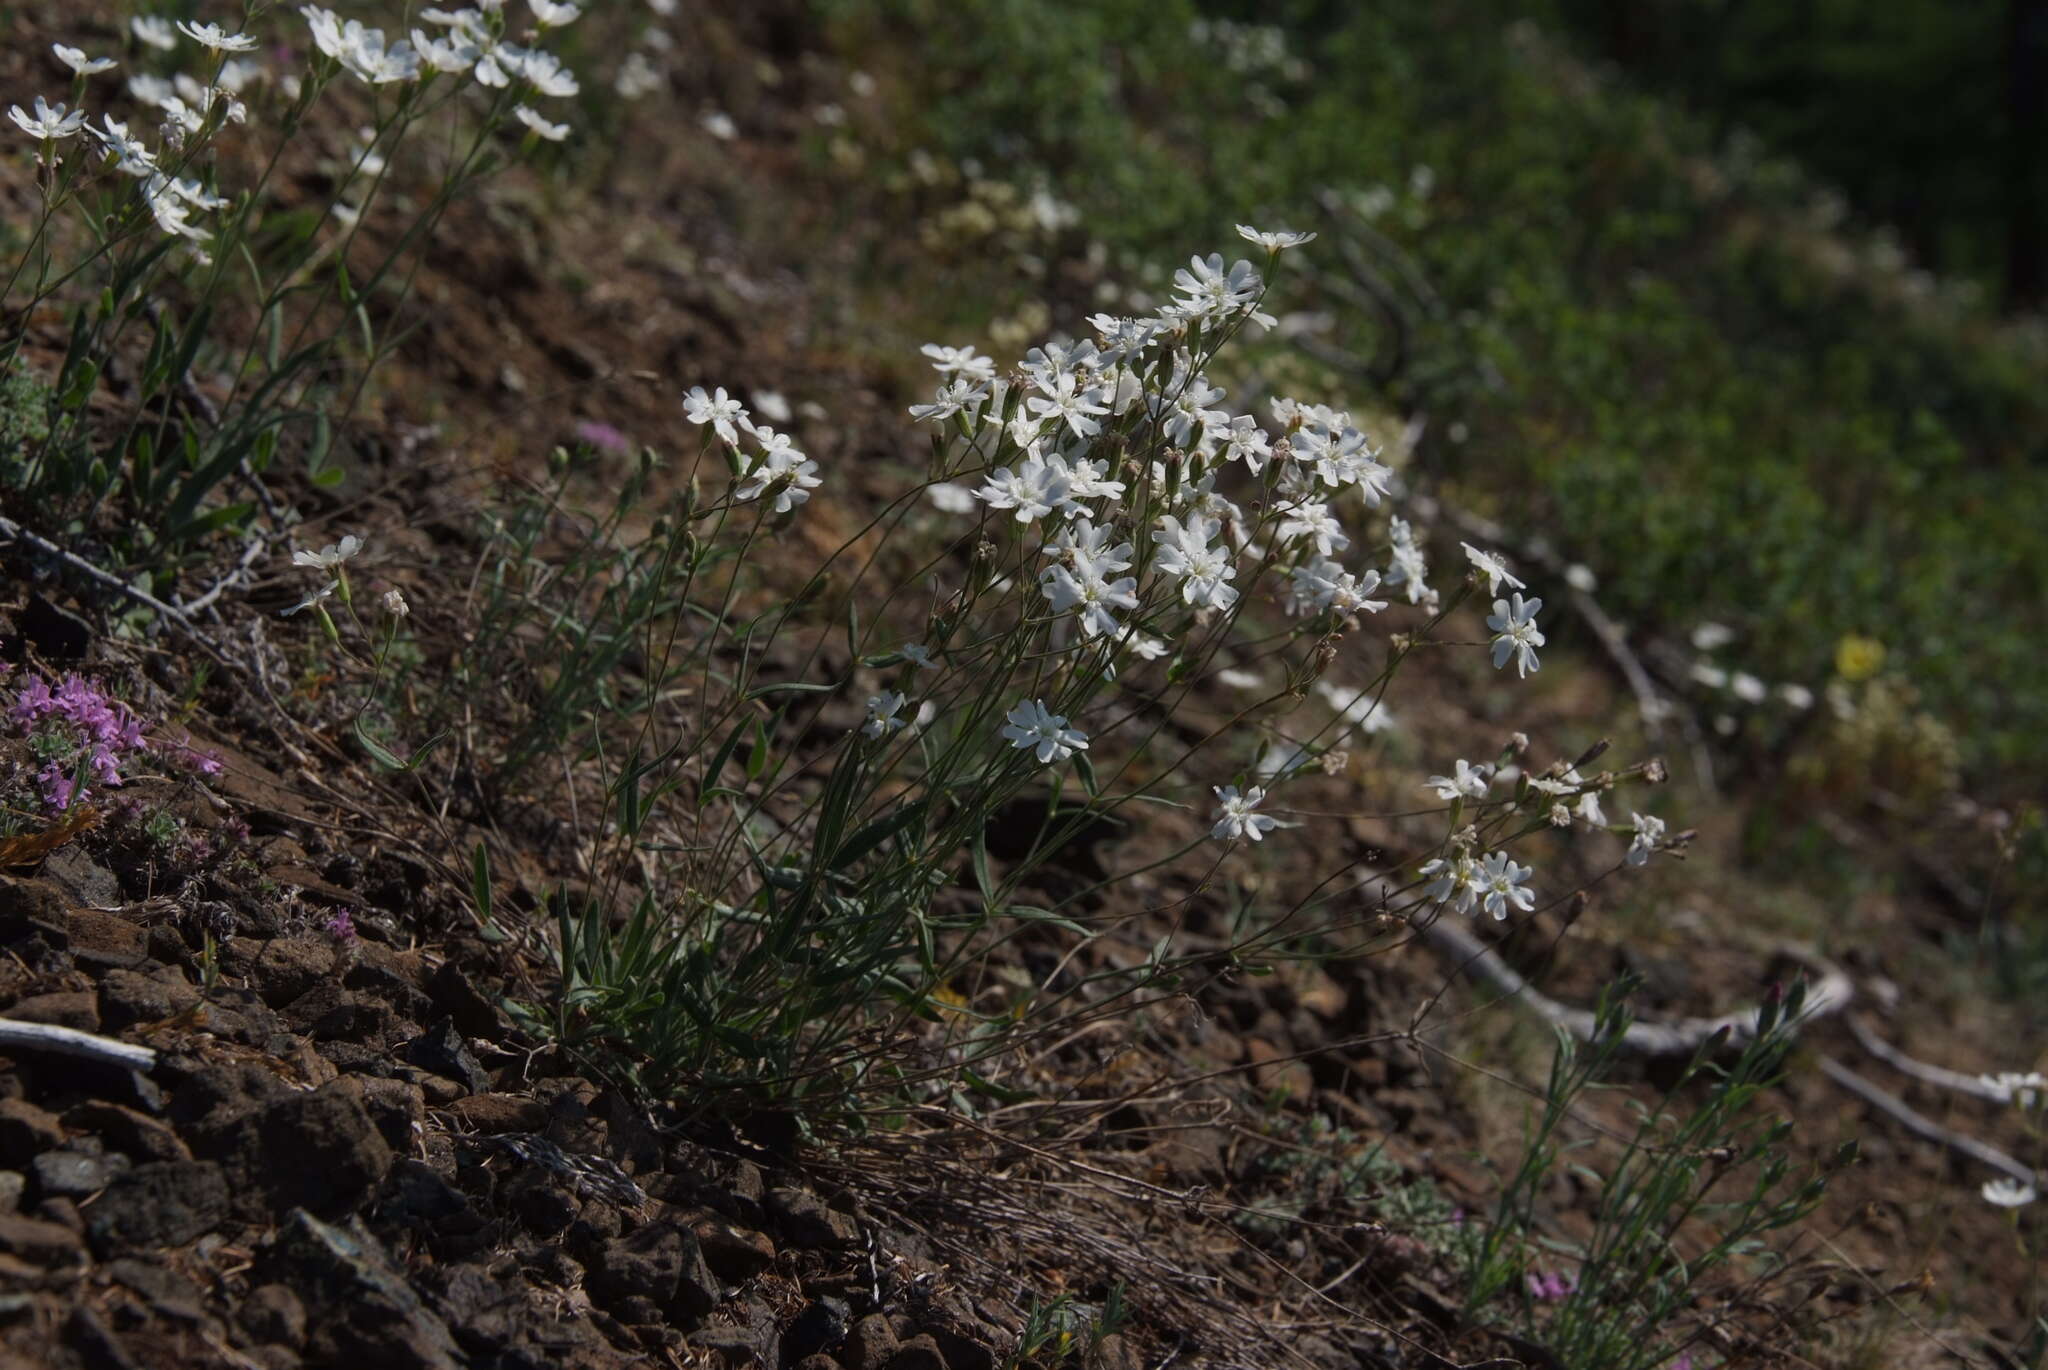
x: 1858, y: 658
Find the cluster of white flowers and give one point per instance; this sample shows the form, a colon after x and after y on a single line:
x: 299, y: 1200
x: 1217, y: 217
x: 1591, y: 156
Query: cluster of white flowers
x: 1493, y: 882
x: 778, y: 469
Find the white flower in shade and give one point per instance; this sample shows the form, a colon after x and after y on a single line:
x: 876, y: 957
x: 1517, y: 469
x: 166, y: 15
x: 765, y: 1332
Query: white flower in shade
x: 49, y: 121
x: 451, y: 54
x: 960, y: 361
x: 1515, y: 633
x: 550, y: 15
x: 172, y: 211
x: 1570, y: 783
x: 1072, y: 403
x: 1407, y: 568
x: 1089, y: 596
x: 331, y: 557
x: 952, y: 397
x: 2008, y: 1193
x: 154, y: 31
x: 395, y: 605
x: 1031, y: 727
x: 1453, y: 880
x: 1500, y: 885
x: 637, y: 78
x: 129, y: 155
x: 949, y: 498
x: 327, y: 587
x: 1466, y: 782
x: 882, y: 711
x: 215, y: 37
x: 1649, y: 831
x: 918, y: 655
x: 2024, y: 1090
x: 554, y: 133
x: 1492, y: 568
x: 1277, y: 241
x: 783, y: 469
x: 1235, y: 819
x: 718, y: 409
x: 1034, y: 489
x: 80, y: 63
x: 1147, y: 647
x: 1315, y: 522
x: 719, y: 125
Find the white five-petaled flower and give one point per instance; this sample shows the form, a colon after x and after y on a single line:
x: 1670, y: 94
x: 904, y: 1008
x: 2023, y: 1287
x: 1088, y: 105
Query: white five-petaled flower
x: 1649, y: 831
x: 1090, y: 596
x: 1492, y: 567
x: 1072, y: 403
x: 1236, y: 818
x: 960, y: 393
x: 1465, y: 782
x: 2008, y: 1193
x: 782, y: 469
x: 129, y: 155
x: 1033, y: 728
x: 1034, y: 489
x: 882, y: 711
x: 554, y: 133
x: 719, y: 409
x: 1500, y: 885
x: 215, y: 37
x: 1183, y: 551
x: 326, y: 588
x: 1515, y: 633
x: 550, y: 15
x: 49, y: 121
x: 1453, y: 880
x: 331, y: 557
x: 80, y: 63
x: 960, y: 361
x: 154, y: 31
x: 1276, y: 241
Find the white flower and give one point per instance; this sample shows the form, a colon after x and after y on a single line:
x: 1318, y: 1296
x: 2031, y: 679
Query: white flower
x: 918, y: 655
x: 957, y: 394
x: 327, y: 587
x: 962, y: 361
x: 451, y: 54
x: 1210, y: 292
x: 1515, y: 633
x: 720, y: 410
x: 1237, y: 819
x: 1453, y: 881
x: 1033, y: 728
x: 215, y: 37
x: 154, y: 31
x: 129, y: 155
x: 172, y: 211
x: 1276, y: 241
x: 1315, y: 522
x: 554, y: 133
x: 1467, y: 782
x: 1183, y: 552
x: 395, y: 605
x: 1500, y: 884
x: 1649, y: 831
x: 1090, y: 595
x: 50, y: 121
x: 1492, y: 567
x: 637, y: 77
x: 950, y: 498
x: 2007, y: 1193
x: 332, y: 556
x: 719, y: 125
x: 550, y: 15
x: 783, y: 469
x: 882, y: 710
x: 1034, y: 489
x: 1075, y: 405
x: 1571, y: 782
x: 2024, y: 1090
x: 80, y: 63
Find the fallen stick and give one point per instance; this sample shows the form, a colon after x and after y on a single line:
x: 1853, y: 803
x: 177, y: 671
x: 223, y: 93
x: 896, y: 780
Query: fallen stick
x: 1902, y: 1113
x: 1829, y: 994
x: 64, y: 1041
x: 1939, y: 1076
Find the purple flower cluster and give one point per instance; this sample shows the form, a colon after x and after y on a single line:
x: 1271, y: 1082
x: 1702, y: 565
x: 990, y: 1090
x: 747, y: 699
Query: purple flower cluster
x: 1550, y: 1286
x: 102, y: 729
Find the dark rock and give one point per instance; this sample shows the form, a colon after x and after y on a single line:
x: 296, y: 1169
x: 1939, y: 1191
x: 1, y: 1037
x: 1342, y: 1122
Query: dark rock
x: 494, y: 1113
x: 817, y: 1362
x: 734, y: 1254
x: 70, y: 1008
x: 208, y: 1098
x: 397, y: 1108
x: 337, y: 1156
x: 105, y: 940
x: 544, y: 1202
x: 472, y: 1011
x: 807, y: 1221
x: 819, y: 1327
x: 273, y: 1313
x: 95, y: 1342
x: 40, y: 1242
x: 128, y: 997
x: 165, y: 1290
x: 414, y: 1193
x: 83, y: 880
x: 281, y: 969
x: 275, y: 1357
x: 326, y: 1003
x: 26, y: 1130
x: 12, y: 1183
x: 363, y: 1310
x: 135, y: 1134
x: 869, y: 1344
x: 919, y: 1353
x: 659, y: 1262
x: 62, y: 1210
x: 28, y: 907
x: 393, y: 976
x: 1115, y: 1352
x: 963, y: 1338
x: 442, y: 1050
x: 70, y: 1174
x: 438, y: 1090
x: 164, y: 1203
